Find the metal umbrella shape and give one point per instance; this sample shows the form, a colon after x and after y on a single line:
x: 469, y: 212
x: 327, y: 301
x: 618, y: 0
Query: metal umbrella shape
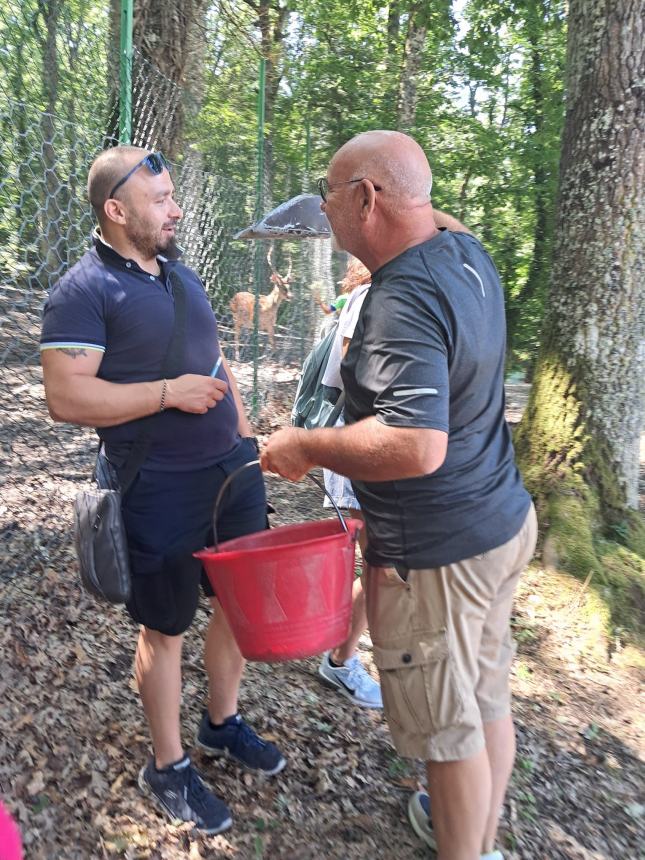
x: 297, y: 218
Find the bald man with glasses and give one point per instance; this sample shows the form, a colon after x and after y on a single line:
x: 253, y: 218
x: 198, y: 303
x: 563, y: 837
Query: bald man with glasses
x: 449, y: 523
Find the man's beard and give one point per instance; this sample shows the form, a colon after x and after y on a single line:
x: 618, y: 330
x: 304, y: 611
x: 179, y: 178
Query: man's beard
x: 150, y: 246
x: 170, y: 249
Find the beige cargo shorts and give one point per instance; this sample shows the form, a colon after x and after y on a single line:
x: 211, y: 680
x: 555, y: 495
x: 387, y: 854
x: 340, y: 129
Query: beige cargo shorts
x: 443, y: 647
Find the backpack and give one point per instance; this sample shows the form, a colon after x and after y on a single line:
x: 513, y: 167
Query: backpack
x: 315, y: 404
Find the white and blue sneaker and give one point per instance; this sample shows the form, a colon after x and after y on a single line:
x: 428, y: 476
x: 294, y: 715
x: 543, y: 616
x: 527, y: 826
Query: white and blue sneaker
x: 353, y: 681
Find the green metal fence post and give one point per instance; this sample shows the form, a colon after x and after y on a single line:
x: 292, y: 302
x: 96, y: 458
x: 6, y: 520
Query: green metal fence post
x: 259, y: 248
x: 306, y: 188
x: 125, y: 68
x: 307, y: 154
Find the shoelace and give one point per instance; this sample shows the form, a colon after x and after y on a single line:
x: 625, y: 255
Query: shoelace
x: 248, y: 736
x: 194, y: 787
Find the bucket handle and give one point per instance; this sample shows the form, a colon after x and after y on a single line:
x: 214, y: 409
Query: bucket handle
x: 237, y: 471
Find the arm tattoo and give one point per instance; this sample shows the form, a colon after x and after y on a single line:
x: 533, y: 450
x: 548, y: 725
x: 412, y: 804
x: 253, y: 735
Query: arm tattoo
x: 72, y: 352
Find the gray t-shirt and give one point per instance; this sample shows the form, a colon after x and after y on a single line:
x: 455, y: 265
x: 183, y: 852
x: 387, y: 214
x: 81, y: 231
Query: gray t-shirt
x: 428, y: 351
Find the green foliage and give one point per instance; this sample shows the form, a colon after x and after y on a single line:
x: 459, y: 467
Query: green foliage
x: 488, y: 113
x: 488, y: 105
x: 56, y: 81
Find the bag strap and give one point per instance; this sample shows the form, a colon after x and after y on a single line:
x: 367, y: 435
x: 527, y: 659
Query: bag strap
x: 169, y: 368
x: 335, y: 413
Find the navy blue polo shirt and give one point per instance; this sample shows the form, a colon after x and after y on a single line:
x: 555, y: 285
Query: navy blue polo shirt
x: 428, y: 351
x: 109, y: 304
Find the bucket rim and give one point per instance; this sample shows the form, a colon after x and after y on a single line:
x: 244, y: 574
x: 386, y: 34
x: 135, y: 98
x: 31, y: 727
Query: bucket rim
x: 354, y: 526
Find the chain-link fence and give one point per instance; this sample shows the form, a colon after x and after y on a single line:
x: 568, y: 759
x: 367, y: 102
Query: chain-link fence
x: 56, y: 96
x: 59, y: 107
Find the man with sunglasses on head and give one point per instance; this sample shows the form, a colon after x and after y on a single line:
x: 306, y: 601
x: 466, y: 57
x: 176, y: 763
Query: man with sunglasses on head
x: 449, y: 524
x: 106, y: 329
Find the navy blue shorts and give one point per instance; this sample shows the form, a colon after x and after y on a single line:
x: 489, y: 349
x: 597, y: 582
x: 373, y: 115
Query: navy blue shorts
x: 168, y: 516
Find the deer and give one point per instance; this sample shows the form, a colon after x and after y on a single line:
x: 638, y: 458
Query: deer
x: 242, y: 306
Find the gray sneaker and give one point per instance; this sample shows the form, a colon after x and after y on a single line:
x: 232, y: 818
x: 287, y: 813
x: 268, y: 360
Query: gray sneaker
x: 419, y: 815
x: 353, y: 681
x: 182, y: 794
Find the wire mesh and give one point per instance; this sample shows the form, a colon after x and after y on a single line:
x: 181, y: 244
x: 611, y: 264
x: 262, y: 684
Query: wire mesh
x: 57, y: 101
x: 55, y: 119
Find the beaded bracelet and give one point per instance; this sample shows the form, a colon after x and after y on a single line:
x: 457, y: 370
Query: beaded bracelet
x: 164, y: 388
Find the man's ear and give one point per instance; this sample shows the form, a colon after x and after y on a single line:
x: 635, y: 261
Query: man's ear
x: 368, y: 199
x: 114, y: 210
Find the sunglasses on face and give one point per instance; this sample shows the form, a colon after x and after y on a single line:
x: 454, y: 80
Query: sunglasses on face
x: 154, y: 161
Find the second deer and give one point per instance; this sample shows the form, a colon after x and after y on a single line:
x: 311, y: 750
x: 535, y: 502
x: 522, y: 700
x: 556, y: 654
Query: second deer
x: 242, y: 306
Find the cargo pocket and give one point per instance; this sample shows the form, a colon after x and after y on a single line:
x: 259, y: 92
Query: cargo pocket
x: 184, y: 575
x: 421, y: 691
x: 151, y: 601
x: 508, y: 650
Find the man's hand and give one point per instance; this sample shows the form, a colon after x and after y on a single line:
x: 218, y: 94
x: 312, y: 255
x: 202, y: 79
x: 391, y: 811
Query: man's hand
x: 443, y: 219
x: 284, y: 454
x: 194, y: 393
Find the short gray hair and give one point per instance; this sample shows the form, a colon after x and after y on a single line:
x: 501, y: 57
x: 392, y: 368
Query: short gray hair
x: 105, y: 172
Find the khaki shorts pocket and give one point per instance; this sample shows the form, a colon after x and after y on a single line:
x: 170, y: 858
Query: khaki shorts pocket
x: 421, y: 691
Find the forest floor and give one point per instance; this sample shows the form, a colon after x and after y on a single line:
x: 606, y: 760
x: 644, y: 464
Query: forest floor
x: 73, y: 737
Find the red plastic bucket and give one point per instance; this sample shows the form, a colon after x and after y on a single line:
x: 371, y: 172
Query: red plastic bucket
x: 286, y: 592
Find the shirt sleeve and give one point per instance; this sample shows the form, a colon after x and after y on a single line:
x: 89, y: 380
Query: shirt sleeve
x: 402, y: 366
x: 73, y: 317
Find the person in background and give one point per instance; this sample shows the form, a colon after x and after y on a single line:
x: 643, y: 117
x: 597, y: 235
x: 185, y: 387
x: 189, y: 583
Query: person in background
x: 450, y: 526
x: 334, y: 307
x: 330, y: 309
x: 342, y: 666
x: 106, y: 328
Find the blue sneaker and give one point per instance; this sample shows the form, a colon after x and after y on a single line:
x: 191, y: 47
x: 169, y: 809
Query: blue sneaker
x: 182, y: 794
x: 237, y: 740
x: 419, y: 815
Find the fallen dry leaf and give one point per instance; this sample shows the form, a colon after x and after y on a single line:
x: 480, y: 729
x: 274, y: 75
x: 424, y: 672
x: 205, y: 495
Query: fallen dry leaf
x: 36, y: 785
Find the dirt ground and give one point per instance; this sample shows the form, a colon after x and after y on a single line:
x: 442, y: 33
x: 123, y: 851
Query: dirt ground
x: 73, y: 737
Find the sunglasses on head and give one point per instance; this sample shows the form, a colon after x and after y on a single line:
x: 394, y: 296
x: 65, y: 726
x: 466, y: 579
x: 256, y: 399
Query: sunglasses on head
x: 154, y: 161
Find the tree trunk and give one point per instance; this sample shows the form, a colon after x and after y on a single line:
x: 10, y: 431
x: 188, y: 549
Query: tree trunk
x: 578, y: 441
x: 390, y: 98
x: 17, y: 128
x: 412, y: 58
x: 50, y: 209
x: 528, y: 302
x: 272, y: 18
x: 114, y: 48
x: 167, y: 72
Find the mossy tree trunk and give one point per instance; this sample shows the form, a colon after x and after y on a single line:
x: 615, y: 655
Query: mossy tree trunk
x: 578, y: 442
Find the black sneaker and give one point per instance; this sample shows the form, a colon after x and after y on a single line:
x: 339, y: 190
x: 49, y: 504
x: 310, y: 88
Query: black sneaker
x: 179, y: 790
x: 238, y: 740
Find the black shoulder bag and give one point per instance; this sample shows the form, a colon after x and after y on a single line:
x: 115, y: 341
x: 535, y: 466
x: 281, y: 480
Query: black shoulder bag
x: 99, y: 532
